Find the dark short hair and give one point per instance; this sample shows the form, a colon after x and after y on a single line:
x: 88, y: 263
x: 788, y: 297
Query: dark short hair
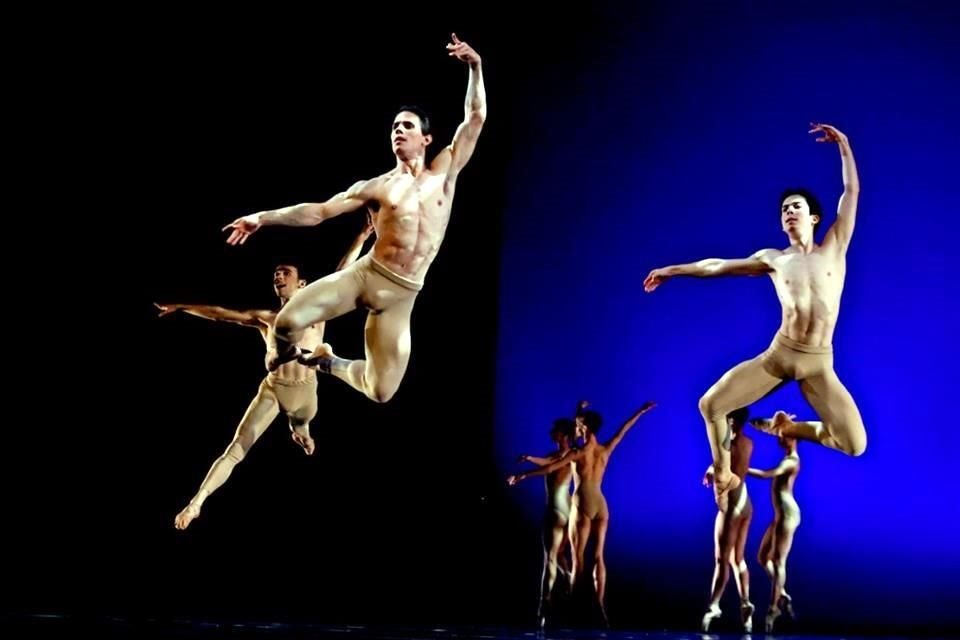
x: 420, y: 113
x: 739, y: 416
x: 290, y: 265
x: 815, y: 208
x: 593, y: 420
x: 562, y: 425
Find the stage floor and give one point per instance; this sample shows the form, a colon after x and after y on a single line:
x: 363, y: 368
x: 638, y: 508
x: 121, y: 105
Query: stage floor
x: 52, y: 625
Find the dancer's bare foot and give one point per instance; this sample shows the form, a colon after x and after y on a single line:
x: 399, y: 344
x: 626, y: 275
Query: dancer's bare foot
x: 185, y: 517
x: 723, y: 484
x: 303, y: 439
x: 712, y: 614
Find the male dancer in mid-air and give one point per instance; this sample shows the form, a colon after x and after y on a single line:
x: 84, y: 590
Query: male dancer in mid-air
x: 809, y: 281
x: 413, y: 202
x: 291, y: 388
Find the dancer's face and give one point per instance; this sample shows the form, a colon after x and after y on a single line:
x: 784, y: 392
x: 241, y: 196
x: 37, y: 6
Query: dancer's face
x: 286, y: 281
x: 795, y: 216
x: 407, y: 137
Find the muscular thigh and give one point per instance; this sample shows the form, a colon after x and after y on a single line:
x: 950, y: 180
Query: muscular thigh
x: 834, y: 405
x: 324, y: 299
x: 741, y: 386
x: 388, y: 333
x: 260, y: 413
x: 740, y: 534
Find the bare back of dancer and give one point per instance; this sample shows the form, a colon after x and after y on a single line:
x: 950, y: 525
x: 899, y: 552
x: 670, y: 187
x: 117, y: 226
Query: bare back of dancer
x: 809, y: 280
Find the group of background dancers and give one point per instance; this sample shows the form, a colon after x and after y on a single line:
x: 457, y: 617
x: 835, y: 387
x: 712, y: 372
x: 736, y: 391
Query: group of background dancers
x: 577, y: 515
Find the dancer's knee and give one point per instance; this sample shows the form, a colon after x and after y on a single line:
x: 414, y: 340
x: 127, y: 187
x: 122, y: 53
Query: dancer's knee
x: 598, y: 560
x: 853, y: 444
x: 235, y: 453
x: 581, y: 559
x: 380, y: 396
x: 857, y: 448
x: 381, y: 393
x: 710, y: 407
x: 288, y: 323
